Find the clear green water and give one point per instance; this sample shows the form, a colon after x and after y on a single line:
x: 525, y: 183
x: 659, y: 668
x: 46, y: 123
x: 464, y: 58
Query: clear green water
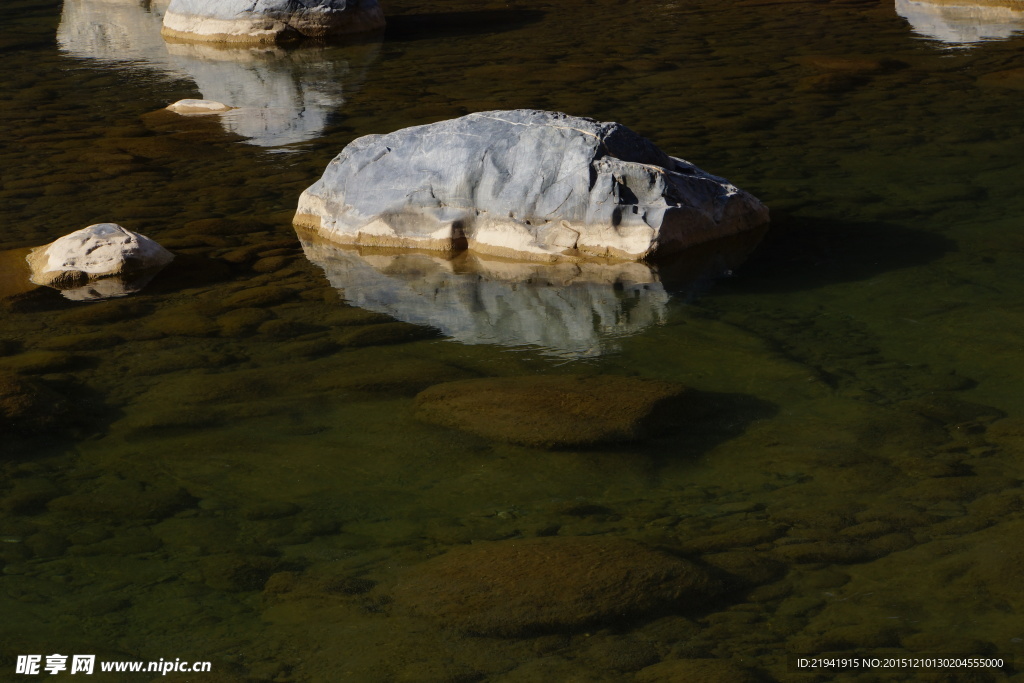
x: 238, y: 420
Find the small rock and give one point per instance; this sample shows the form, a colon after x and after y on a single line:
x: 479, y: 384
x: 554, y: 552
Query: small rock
x: 79, y: 263
x: 199, y: 107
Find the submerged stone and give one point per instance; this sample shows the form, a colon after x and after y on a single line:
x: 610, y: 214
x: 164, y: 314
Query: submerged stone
x: 554, y: 411
x: 537, y: 585
x: 27, y: 405
x: 269, y: 21
x: 524, y: 184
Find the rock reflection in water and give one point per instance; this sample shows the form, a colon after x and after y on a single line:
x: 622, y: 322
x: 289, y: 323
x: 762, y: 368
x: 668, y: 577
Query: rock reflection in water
x: 281, y: 96
x: 574, y: 310
x: 962, y: 22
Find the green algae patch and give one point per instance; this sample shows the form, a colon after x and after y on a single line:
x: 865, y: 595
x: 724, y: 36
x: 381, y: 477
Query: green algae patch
x: 554, y: 411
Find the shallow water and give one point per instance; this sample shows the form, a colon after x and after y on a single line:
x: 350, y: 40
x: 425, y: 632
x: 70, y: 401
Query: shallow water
x: 247, y: 420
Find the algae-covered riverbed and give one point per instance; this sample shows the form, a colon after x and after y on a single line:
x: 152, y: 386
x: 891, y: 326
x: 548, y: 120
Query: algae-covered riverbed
x: 232, y: 466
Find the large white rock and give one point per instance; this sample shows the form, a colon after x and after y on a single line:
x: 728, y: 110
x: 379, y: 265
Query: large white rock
x: 269, y: 21
x: 523, y: 184
x: 99, y: 251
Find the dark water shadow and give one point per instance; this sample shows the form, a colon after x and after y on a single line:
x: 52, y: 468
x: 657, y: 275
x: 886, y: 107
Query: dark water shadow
x: 66, y: 412
x: 801, y: 253
x: 696, y: 423
x: 425, y: 25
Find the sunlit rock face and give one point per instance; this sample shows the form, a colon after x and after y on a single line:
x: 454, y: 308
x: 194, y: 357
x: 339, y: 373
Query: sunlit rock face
x: 269, y: 21
x: 277, y: 97
x: 961, y: 22
x: 523, y: 184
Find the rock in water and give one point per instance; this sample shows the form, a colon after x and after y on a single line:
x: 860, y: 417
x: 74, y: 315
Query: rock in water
x: 555, y: 411
x: 198, y: 107
x: 269, y: 21
x: 523, y: 184
x: 537, y: 585
x: 104, y: 250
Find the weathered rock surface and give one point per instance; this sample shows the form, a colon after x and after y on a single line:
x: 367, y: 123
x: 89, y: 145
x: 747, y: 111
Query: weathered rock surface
x: 553, y: 411
x: 269, y: 21
x: 537, y: 585
x: 523, y: 184
x: 95, y: 253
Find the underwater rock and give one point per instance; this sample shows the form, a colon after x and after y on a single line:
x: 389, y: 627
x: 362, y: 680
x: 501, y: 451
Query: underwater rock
x: 269, y: 21
x: 548, y: 584
x: 553, y: 411
x: 98, y: 262
x: 198, y: 107
x: 27, y: 405
x: 525, y: 184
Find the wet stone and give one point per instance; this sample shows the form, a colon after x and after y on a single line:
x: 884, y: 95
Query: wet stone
x: 105, y: 312
x: 38, y: 362
x: 267, y: 295
x: 234, y: 572
x: 28, y: 495
x: 538, y: 585
x: 124, y: 499
x: 385, y: 334
x: 92, y: 341
x: 554, y: 411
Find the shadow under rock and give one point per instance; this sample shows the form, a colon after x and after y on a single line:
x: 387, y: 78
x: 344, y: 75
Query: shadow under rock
x: 805, y: 252
x: 699, y: 422
x: 455, y: 24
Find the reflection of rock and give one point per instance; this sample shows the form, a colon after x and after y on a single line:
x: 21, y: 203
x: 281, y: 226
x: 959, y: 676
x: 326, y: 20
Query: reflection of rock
x: 572, y: 309
x: 269, y: 21
x: 523, y: 184
x: 554, y: 411
x: 963, y: 22
x: 278, y: 97
x: 79, y: 263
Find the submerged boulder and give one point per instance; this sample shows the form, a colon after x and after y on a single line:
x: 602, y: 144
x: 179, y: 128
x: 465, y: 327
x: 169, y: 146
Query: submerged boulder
x: 269, y: 21
x: 554, y: 411
x: 98, y: 252
x: 550, y: 584
x: 523, y: 184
